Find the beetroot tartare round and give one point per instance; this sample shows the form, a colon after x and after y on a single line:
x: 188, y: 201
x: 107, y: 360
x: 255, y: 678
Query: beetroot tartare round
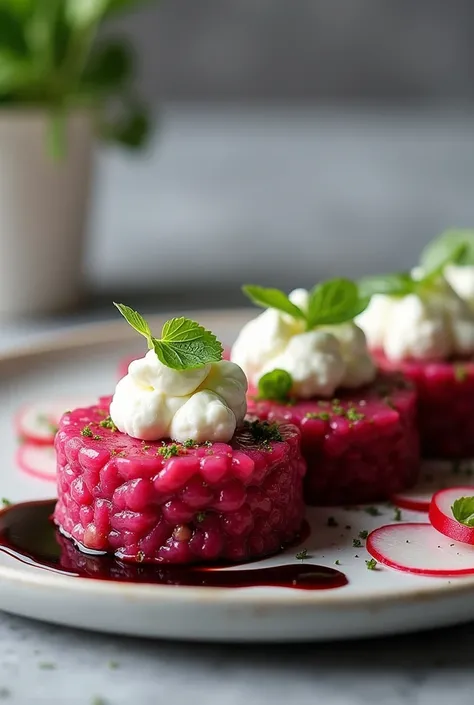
x: 177, y: 503
x: 360, y: 447
x: 445, y: 402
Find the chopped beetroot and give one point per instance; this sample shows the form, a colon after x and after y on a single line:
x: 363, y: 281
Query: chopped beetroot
x: 445, y: 404
x: 175, y: 503
x: 361, y: 447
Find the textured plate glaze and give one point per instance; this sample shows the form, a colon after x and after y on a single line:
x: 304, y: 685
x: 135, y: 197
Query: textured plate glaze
x: 374, y: 603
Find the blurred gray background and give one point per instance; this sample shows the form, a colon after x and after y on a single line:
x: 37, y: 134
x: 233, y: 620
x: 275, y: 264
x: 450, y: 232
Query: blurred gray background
x: 298, y: 140
x: 396, y: 51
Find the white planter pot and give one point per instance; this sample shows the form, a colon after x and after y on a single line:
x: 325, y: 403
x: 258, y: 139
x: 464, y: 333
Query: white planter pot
x: 43, y: 210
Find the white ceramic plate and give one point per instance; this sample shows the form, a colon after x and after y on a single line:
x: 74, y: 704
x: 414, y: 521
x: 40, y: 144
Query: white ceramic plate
x: 373, y: 603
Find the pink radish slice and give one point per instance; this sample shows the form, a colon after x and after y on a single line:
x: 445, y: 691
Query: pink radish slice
x: 420, y: 549
x: 37, y: 423
x: 37, y: 461
x: 435, y: 476
x: 441, y: 515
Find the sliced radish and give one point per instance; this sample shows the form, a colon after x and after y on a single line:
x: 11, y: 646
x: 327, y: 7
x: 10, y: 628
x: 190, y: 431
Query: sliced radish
x: 420, y: 549
x: 37, y: 423
x: 435, y: 476
x: 37, y: 461
x: 441, y: 515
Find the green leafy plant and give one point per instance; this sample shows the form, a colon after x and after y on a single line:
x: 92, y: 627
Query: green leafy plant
x: 405, y: 283
x: 184, y: 344
x: 463, y: 510
x: 51, y: 56
x: 330, y: 303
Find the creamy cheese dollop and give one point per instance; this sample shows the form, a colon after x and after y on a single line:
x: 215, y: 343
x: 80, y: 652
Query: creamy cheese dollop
x: 319, y: 361
x: 153, y: 402
x: 432, y: 324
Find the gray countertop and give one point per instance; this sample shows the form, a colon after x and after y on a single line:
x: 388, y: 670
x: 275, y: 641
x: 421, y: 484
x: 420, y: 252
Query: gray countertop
x: 240, y: 191
x: 46, y: 664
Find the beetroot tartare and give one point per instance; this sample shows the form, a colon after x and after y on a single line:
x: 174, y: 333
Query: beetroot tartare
x: 177, y: 502
x: 418, y: 325
x: 445, y: 402
x: 360, y: 447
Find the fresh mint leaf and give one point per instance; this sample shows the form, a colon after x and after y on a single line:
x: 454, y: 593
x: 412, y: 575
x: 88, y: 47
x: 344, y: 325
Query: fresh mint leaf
x: 272, y: 298
x: 185, y: 345
x: 440, y: 258
x: 399, y: 284
x: 135, y: 320
x: 334, y: 301
x: 275, y: 385
x: 463, y: 510
x: 442, y: 247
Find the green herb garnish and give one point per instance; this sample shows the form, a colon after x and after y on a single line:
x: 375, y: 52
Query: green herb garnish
x: 371, y: 564
x: 184, y: 344
x: 442, y: 247
x: 168, y: 451
x: 330, y: 303
x: 403, y: 284
x: 353, y: 415
x: 322, y: 416
x: 337, y: 562
x: 397, y: 514
x: 363, y: 534
x: 372, y: 511
x: 275, y: 385
x: 189, y: 443
x: 47, y: 665
x: 200, y: 516
x: 113, y: 665
x: 87, y: 432
x: 302, y: 555
x: 463, y: 510
x: 108, y: 423
x: 263, y: 431
x: 6, y: 502
x: 356, y: 543
x: 460, y: 372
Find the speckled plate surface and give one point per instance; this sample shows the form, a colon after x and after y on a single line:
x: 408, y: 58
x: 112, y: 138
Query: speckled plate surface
x: 379, y: 602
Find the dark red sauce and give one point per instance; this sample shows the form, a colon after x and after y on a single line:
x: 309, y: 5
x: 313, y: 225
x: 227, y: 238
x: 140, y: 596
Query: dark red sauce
x: 28, y: 533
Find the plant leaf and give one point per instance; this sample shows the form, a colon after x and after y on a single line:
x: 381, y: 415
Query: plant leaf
x: 12, y: 36
x: 131, y: 128
x: 334, y: 301
x: 109, y: 67
x: 275, y: 385
x: 272, y: 298
x: 185, y: 345
x: 399, y: 284
x: 116, y: 6
x: 135, y: 320
x: 84, y: 13
x: 463, y: 510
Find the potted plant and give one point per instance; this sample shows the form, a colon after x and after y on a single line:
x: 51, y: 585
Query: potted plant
x: 61, y: 87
